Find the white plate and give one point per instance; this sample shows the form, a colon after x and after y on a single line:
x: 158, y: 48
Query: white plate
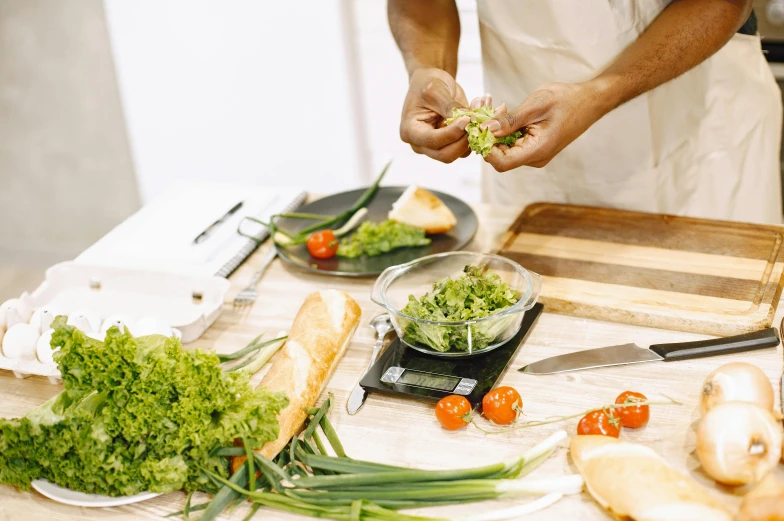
x: 80, y: 499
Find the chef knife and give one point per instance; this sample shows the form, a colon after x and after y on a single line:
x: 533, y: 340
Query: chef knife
x: 634, y: 354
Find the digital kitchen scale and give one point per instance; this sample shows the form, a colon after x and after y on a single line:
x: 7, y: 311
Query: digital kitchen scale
x: 401, y: 370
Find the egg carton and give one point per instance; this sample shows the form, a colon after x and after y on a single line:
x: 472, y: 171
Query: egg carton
x: 96, y: 298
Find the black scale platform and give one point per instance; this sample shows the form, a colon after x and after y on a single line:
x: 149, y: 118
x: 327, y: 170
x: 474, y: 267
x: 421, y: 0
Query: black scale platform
x: 401, y: 370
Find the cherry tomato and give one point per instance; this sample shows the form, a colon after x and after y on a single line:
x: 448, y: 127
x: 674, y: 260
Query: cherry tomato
x: 323, y: 244
x: 604, y: 422
x: 502, y: 405
x: 453, y: 412
x: 636, y: 416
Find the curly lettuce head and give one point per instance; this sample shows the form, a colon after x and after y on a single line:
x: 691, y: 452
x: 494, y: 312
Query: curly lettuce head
x: 136, y: 414
x: 475, y: 294
x: 481, y: 140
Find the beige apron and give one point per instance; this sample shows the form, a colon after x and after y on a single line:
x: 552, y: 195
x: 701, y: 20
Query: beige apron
x: 706, y: 144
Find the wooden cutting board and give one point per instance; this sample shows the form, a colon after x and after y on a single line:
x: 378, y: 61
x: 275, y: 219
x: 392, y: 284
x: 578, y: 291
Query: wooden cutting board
x: 711, y: 277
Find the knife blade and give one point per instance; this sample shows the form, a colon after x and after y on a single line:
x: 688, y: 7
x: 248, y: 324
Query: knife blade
x: 634, y: 354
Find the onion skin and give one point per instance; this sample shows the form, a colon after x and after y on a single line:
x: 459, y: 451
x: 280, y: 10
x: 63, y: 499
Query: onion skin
x: 737, y: 382
x: 764, y: 503
x: 738, y: 443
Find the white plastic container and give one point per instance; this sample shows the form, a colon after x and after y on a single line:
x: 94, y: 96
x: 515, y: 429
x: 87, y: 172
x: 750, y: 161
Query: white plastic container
x: 187, y: 304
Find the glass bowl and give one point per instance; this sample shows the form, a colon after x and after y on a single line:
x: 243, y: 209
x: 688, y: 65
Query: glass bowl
x: 477, y: 336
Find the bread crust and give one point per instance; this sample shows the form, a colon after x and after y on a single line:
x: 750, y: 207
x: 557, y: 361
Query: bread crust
x: 633, y: 482
x: 319, y: 336
x: 422, y: 209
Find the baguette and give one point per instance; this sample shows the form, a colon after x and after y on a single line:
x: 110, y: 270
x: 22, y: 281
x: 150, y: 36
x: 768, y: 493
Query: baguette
x: 633, y: 482
x: 317, y: 341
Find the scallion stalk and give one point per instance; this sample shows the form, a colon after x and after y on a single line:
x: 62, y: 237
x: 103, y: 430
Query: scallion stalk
x: 284, y: 238
x: 354, y: 489
x: 226, y: 495
x: 515, y: 512
x: 259, y: 359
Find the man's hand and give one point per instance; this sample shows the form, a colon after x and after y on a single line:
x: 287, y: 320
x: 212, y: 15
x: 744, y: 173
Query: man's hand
x: 432, y: 94
x: 551, y: 117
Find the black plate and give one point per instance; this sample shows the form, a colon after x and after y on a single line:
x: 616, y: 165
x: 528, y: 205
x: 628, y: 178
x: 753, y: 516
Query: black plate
x: 378, y: 209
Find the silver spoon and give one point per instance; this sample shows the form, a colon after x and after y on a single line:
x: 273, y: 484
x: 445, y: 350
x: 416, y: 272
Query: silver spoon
x: 383, y: 325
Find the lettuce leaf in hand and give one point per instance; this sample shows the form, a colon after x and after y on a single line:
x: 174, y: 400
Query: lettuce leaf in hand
x: 481, y: 140
x: 373, y: 239
x: 136, y: 414
x: 476, y: 294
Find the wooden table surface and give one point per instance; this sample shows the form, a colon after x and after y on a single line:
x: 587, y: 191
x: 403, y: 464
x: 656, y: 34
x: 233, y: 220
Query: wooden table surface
x: 403, y: 431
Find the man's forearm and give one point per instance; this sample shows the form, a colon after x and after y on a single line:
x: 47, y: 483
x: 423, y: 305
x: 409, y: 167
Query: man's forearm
x: 686, y: 33
x: 427, y: 33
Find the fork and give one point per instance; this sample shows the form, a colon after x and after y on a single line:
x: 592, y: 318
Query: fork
x: 248, y: 296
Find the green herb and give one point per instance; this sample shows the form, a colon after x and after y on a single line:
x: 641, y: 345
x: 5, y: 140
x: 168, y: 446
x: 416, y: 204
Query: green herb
x: 373, y: 239
x: 136, y: 414
x: 285, y: 238
x: 476, y: 294
x: 361, y: 490
x: 481, y: 140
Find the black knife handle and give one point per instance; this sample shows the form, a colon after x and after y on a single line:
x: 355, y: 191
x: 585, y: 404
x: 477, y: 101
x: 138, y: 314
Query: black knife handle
x: 718, y: 346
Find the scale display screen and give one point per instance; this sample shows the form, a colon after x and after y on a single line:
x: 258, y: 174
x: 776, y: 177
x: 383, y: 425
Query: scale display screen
x: 431, y: 381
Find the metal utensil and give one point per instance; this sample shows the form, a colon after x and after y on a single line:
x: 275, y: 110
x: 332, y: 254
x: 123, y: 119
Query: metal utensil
x: 248, y: 296
x: 383, y: 325
x: 633, y: 354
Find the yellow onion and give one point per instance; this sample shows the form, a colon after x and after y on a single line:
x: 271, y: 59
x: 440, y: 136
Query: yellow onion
x: 737, y: 382
x: 738, y: 443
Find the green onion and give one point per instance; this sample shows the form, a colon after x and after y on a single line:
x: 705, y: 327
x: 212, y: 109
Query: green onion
x: 257, y: 360
x: 307, y: 481
x: 253, y: 510
x: 252, y: 346
x: 310, y: 216
x: 225, y: 495
x: 332, y: 436
x: 515, y: 512
x: 228, y: 451
x: 351, y: 223
x: 289, y: 239
x: 195, y: 508
x: 249, y: 458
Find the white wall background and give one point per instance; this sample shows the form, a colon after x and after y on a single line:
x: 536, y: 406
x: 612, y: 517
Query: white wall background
x: 246, y: 91
x: 279, y: 93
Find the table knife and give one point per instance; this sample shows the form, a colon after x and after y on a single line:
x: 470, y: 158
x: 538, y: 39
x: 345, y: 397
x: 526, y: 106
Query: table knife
x: 383, y: 325
x: 634, y: 354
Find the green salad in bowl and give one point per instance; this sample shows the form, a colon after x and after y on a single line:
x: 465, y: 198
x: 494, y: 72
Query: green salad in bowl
x: 458, y: 303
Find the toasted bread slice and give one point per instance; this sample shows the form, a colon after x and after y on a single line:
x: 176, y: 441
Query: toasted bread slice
x: 420, y: 208
x: 634, y: 483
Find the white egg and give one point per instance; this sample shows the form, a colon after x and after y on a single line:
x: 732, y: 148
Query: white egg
x: 151, y: 326
x: 4, y: 307
x: 17, y: 312
x: 20, y: 341
x: 43, y: 349
x: 42, y: 318
x: 85, y: 320
x: 121, y: 321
